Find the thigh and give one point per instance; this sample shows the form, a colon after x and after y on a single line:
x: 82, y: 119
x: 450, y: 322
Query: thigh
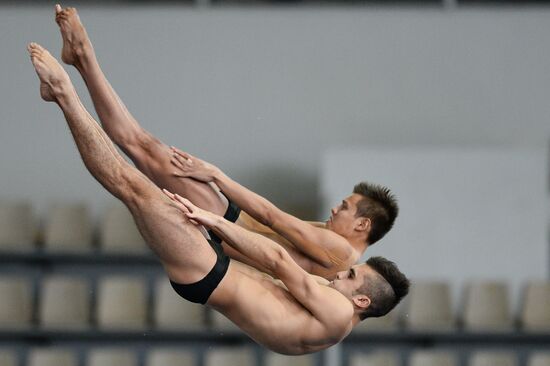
x: 152, y: 157
x: 184, y: 252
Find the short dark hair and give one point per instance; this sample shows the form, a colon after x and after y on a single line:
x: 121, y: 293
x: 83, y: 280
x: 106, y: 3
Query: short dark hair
x: 386, y: 290
x: 379, y: 205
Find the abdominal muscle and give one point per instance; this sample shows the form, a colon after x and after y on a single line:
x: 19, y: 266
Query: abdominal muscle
x: 266, y: 311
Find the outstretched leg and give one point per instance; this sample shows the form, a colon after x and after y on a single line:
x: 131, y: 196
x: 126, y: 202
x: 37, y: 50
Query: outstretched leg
x: 182, y: 249
x: 148, y: 153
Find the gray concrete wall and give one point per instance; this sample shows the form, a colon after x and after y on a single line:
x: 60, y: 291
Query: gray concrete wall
x: 264, y: 92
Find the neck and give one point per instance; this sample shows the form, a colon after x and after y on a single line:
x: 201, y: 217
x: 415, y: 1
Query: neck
x: 355, y: 320
x: 358, y: 243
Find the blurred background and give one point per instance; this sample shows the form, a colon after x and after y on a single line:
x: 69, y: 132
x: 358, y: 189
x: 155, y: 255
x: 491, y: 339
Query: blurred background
x: 445, y: 102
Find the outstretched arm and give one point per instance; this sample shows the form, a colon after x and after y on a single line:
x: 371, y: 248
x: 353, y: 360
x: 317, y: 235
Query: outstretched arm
x: 306, y: 288
x: 320, y: 245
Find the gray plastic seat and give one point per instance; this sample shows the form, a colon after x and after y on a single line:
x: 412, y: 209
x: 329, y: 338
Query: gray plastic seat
x: 433, y: 358
x: 493, y: 358
x: 51, y: 357
x: 111, y: 357
x: 276, y: 359
x: 68, y: 228
x: 487, y: 306
x: 377, y: 358
x: 8, y: 357
x: 234, y: 356
x: 64, y: 303
x: 119, y: 233
x: 220, y: 322
x: 170, y: 357
x: 17, y: 227
x: 121, y: 303
x: 386, y: 323
x: 428, y: 307
x: 539, y: 359
x: 173, y: 312
x: 15, y: 302
x: 535, y: 310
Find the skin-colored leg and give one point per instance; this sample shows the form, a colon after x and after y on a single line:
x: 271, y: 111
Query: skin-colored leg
x: 148, y: 153
x: 180, y: 246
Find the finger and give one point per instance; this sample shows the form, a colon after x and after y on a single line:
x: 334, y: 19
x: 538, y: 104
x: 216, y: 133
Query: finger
x: 193, y: 221
x: 57, y: 8
x: 186, y: 202
x: 177, y: 163
x: 173, y: 198
x: 182, y: 200
x: 181, y: 159
x: 182, y: 153
x: 168, y: 193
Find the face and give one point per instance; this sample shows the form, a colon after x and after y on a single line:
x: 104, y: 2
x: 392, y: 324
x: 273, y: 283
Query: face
x: 342, y: 219
x: 349, y: 283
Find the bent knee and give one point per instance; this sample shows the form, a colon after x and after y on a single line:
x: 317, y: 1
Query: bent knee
x: 142, y: 147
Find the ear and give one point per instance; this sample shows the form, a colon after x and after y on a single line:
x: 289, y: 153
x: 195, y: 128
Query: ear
x: 361, y: 301
x: 364, y: 224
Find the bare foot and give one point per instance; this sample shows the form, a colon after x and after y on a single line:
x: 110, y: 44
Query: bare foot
x: 76, y: 43
x: 54, y: 81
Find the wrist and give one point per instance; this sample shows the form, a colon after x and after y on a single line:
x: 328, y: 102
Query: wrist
x: 217, y: 175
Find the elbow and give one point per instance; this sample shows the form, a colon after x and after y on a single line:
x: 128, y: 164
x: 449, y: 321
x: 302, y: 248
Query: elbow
x: 279, y: 257
x: 267, y: 217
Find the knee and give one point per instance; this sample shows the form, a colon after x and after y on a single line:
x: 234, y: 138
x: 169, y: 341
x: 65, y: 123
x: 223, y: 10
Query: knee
x: 134, y: 187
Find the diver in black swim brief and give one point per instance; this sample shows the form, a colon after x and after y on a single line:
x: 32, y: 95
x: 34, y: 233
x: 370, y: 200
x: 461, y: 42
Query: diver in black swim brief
x: 200, y: 291
x: 232, y: 214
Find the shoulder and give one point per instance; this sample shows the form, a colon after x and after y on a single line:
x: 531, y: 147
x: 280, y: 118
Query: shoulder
x: 338, y: 248
x: 340, y: 307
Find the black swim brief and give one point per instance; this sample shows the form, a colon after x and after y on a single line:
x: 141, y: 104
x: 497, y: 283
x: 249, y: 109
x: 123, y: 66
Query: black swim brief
x: 232, y: 214
x: 200, y: 291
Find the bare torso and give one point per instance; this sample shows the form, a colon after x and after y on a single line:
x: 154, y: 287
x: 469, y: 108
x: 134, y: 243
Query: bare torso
x: 264, y: 309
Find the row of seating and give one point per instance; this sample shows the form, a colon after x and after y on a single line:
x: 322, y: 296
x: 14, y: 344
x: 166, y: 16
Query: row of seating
x: 68, y: 228
x: 241, y: 356
x: 122, y: 302
x: 237, y: 356
x: 449, y: 358
x: 485, y: 306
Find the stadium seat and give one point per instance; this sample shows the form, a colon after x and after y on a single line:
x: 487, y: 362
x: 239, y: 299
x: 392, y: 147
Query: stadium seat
x: 64, y: 303
x: 493, y: 358
x: 111, y: 357
x: 171, y: 312
x: 17, y: 227
x: 433, y: 358
x: 15, y: 302
x: 68, y: 229
x: 220, y: 322
x: 234, y: 356
x: 377, y: 358
x: 276, y: 359
x: 535, y: 309
x: 539, y: 359
x: 429, y: 307
x: 51, y: 357
x: 8, y: 358
x: 119, y: 233
x: 486, y: 307
x: 121, y: 303
x: 170, y: 357
x: 386, y: 323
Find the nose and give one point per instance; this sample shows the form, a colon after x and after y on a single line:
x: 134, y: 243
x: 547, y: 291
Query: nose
x: 339, y: 275
x: 333, y: 210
